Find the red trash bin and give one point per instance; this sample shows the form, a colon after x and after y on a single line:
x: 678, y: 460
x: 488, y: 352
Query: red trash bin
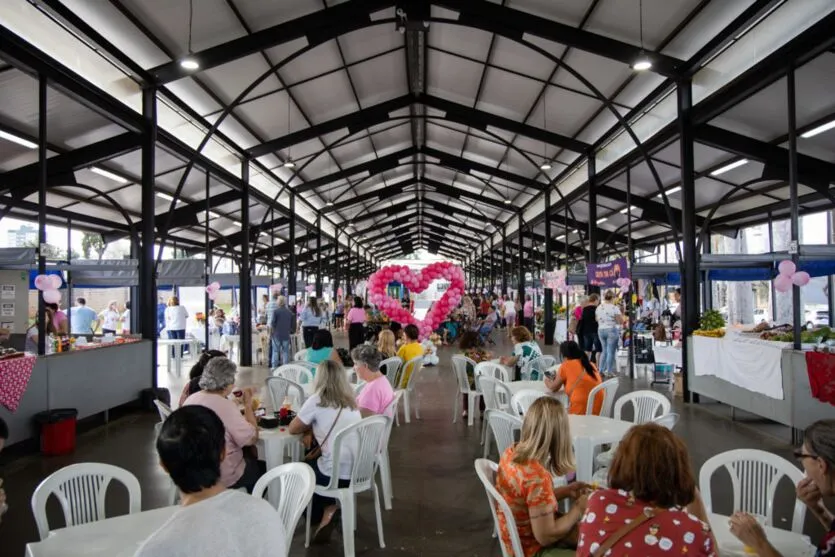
x: 57, y: 431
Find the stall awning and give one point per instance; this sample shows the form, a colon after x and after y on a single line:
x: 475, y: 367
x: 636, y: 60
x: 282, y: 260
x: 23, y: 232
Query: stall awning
x: 107, y: 273
x: 181, y: 272
x: 230, y: 280
x: 17, y: 258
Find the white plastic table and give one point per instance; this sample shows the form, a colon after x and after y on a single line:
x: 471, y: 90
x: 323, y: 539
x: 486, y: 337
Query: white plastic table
x: 667, y: 355
x: 120, y: 536
x: 176, y: 356
x: 516, y: 386
x: 788, y: 544
x: 234, y: 343
x: 271, y: 446
x: 588, y: 432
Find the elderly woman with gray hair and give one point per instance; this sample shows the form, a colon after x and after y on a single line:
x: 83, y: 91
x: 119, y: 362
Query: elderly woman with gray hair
x: 239, y: 467
x: 377, y: 394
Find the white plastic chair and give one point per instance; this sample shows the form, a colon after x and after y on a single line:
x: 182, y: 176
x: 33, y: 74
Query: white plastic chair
x: 358, y: 387
x: 538, y: 366
x: 755, y: 475
x: 383, y: 457
x: 279, y: 388
x: 295, y: 483
x: 390, y: 367
x: 497, y: 396
x: 415, y: 364
x: 609, y: 389
x: 668, y: 420
x: 300, y: 356
x: 310, y: 366
x: 486, y: 471
x: 294, y: 372
x: 492, y: 369
x: 459, y: 366
x: 368, y: 435
x: 522, y: 400
x: 503, y: 425
x: 646, y: 405
x: 297, y: 342
x: 81, y: 490
x: 163, y: 409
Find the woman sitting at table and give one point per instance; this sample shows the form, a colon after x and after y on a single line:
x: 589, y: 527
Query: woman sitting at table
x: 328, y: 411
x: 321, y: 348
x: 193, y: 385
x: 410, y: 350
x: 578, y: 376
x: 472, y: 347
x: 525, y: 480
x: 240, y: 468
x: 377, y: 394
x: 386, y: 344
x: 817, y: 455
x: 525, y: 349
x: 652, y: 507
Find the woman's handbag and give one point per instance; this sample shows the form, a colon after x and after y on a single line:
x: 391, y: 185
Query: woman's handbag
x: 313, y: 449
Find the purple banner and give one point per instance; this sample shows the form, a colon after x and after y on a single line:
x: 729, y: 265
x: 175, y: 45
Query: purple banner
x: 606, y: 274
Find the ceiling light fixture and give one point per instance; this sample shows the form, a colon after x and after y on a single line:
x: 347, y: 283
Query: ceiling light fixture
x: 602, y: 220
x: 19, y: 140
x: 213, y: 215
x: 108, y: 174
x: 561, y: 237
x: 545, y: 166
x: 729, y: 167
x: 642, y: 63
x: 626, y: 209
x: 811, y: 133
x: 670, y: 191
x: 289, y: 163
x: 507, y: 201
x: 165, y: 196
x: 189, y: 63
x: 236, y: 223
x: 330, y: 203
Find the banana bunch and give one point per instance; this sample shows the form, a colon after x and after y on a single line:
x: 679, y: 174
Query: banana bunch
x: 711, y: 333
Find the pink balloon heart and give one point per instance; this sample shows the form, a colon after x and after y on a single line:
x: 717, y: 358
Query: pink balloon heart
x: 801, y: 278
x: 418, y: 282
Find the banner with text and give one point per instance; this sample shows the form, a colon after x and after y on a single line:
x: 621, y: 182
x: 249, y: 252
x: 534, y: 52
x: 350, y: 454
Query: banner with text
x: 607, y: 274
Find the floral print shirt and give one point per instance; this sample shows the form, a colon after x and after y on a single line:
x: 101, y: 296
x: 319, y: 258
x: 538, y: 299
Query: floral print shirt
x: 827, y: 545
x: 670, y: 532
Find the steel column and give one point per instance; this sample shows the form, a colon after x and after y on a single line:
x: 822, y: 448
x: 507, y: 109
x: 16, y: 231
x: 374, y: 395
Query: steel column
x: 520, y: 289
x: 291, y: 264
x: 348, y: 291
x: 208, y: 303
x: 147, y: 271
x: 771, y: 282
x: 548, y: 320
x: 690, y: 264
x: 492, y: 268
x: 319, y: 257
x: 630, y: 255
x: 43, y: 176
x: 245, y: 273
x: 592, y: 224
x: 336, y: 266
x: 504, y: 262
x: 797, y: 311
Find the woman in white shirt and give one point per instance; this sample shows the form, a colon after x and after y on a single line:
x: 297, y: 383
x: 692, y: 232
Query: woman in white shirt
x: 510, y: 315
x: 175, y: 319
x: 328, y: 411
x: 609, y: 319
x: 109, y: 318
x: 125, y: 319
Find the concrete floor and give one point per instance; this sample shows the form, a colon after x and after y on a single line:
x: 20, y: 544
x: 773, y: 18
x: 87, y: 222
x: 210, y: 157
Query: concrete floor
x: 439, y: 509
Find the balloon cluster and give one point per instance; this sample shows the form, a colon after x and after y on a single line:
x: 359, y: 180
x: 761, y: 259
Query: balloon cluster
x: 212, y: 290
x: 561, y: 285
x: 789, y: 275
x: 309, y: 288
x: 417, y: 282
x: 49, y: 285
x: 276, y: 288
x: 624, y: 283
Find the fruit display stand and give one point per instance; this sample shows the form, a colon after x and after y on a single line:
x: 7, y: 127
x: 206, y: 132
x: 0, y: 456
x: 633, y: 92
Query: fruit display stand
x: 795, y: 407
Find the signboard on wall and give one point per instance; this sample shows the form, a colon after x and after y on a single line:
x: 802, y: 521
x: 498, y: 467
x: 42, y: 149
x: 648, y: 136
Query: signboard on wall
x: 606, y: 274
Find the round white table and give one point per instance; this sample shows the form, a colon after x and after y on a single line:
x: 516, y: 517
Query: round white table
x: 516, y: 386
x: 788, y: 544
x: 588, y: 432
x: 120, y: 536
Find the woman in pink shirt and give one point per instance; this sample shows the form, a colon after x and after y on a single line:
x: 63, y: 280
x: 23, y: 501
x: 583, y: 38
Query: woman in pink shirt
x: 216, y: 383
x: 527, y: 313
x: 377, y: 394
x: 355, y: 324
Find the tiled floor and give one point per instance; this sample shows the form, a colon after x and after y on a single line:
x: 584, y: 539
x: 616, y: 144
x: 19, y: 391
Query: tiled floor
x: 439, y: 507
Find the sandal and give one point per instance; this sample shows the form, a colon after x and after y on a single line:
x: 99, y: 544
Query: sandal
x: 325, y: 529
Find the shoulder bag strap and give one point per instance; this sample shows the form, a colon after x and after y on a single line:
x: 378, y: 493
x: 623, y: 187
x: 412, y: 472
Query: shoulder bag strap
x: 574, y: 385
x: 333, y: 425
x: 612, y: 540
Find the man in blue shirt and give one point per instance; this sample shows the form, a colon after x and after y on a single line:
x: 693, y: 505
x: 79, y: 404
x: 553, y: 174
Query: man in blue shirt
x: 160, y: 315
x: 83, y: 319
x: 281, y: 326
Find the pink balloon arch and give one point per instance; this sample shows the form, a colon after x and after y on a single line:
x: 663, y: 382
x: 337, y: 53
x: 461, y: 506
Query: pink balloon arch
x: 417, y: 282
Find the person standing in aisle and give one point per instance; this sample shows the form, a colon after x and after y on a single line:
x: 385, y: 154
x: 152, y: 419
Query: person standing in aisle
x: 609, y: 319
x: 527, y: 312
x: 510, y: 314
x: 281, y: 325
x: 161, y: 306
x: 355, y: 324
x: 110, y: 318
x: 83, y: 320
x: 125, y: 319
x: 175, y: 320
x: 311, y: 318
x: 587, y: 329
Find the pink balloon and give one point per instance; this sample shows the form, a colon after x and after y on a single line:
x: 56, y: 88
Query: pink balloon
x: 42, y: 282
x: 213, y: 295
x: 51, y: 296
x: 55, y: 282
x: 787, y: 267
x: 782, y: 283
x: 801, y: 278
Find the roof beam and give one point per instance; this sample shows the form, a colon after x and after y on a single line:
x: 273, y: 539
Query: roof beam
x: 374, y: 166
x: 381, y: 193
x: 22, y: 182
x: 514, y: 24
x: 813, y: 172
x: 355, y: 122
x: 558, y: 218
x: 316, y: 27
x: 385, y: 211
x: 456, y: 193
x: 482, y: 120
x: 237, y: 238
x: 465, y: 166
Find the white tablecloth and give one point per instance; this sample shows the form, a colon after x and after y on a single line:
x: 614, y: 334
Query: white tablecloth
x: 667, y: 355
x: 787, y: 543
x: 114, y: 537
x: 749, y: 363
x: 588, y: 432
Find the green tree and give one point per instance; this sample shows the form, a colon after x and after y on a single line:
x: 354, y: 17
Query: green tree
x: 94, y: 242
x: 51, y: 252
